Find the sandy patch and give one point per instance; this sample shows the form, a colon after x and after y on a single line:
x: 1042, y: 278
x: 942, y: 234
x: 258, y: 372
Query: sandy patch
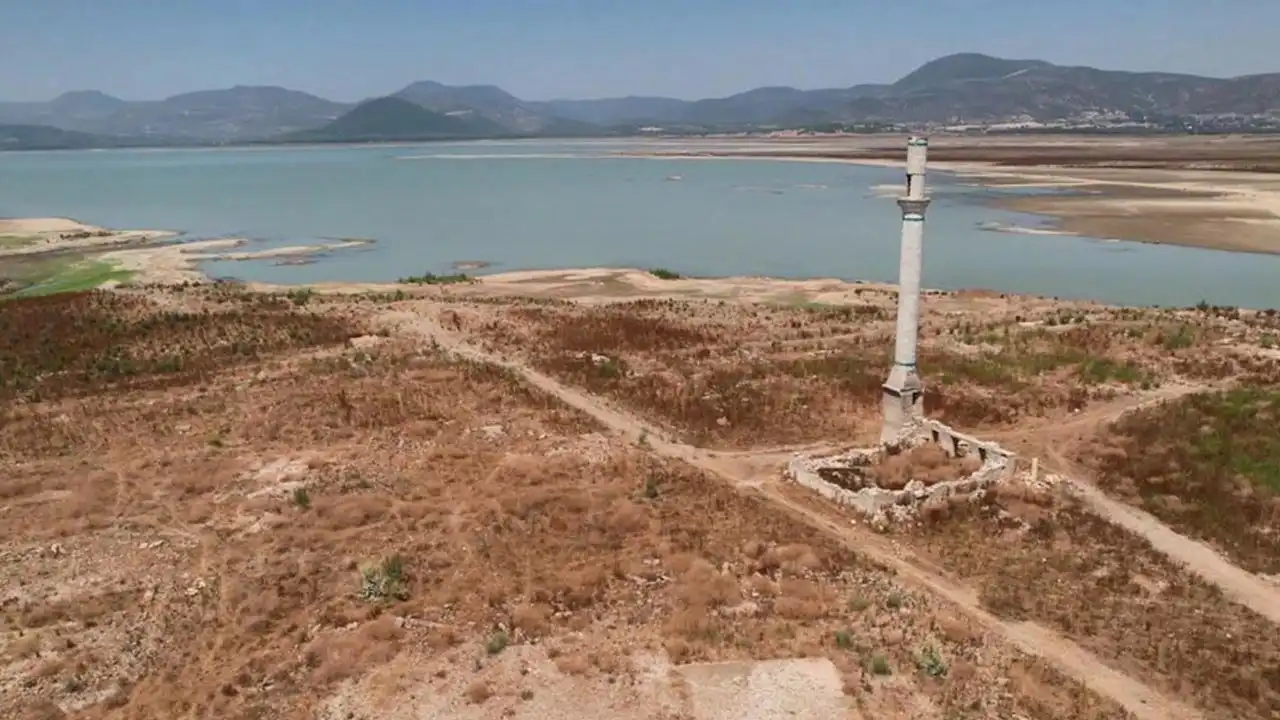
x: 34, y: 226
x: 40, y: 235
x: 177, y: 264
x: 1183, y: 206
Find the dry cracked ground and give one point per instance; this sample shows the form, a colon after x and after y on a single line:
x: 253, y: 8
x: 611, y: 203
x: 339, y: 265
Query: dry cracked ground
x: 216, y: 503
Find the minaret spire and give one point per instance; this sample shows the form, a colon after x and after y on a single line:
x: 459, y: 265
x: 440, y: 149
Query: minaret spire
x: 902, y: 391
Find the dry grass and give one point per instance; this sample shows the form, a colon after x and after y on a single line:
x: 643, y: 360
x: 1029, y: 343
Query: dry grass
x: 1207, y: 464
x: 156, y: 546
x: 96, y: 342
x: 733, y: 375
x: 1036, y: 557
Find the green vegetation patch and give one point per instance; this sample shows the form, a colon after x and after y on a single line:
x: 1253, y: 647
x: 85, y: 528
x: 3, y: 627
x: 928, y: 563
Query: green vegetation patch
x: 1208, y: 464
x: 664, y: 274
x: 64, y: 276
x: 433, y: 279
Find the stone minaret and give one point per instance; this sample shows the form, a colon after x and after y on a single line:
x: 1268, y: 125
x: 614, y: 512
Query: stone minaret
x: 902, y: 391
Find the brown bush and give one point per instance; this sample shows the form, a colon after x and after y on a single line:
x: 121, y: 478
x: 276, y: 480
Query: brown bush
x: 532, y: 620
x: 478, y: 692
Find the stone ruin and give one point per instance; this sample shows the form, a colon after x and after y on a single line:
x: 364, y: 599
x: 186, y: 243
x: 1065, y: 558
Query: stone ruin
x: 856, y: 479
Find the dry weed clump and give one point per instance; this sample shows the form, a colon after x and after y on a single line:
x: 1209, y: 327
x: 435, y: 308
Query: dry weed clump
x: 252, y: 603
x: 737, y: 403
x: 1016, y: 372
x: 720, y: 373
x: 927, y: 463
x: 1038, y: 558
x: 1208, y: 464
x: 92, y: 342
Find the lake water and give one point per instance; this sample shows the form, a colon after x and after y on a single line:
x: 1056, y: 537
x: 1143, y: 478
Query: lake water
x: 529, y: 205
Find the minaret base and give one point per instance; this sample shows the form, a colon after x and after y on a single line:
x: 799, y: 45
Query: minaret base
x: 902, y: 402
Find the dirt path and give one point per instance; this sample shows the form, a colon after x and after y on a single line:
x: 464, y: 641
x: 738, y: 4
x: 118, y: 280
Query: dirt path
x: 1035, y: 435
x: 759, y: 476
x: 1054, y: 444
x: 1240, y: 585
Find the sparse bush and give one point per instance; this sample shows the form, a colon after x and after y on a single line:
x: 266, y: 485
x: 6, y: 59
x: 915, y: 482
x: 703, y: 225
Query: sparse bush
x: 880, y: 665
x: 844, y: 639
x: 433, y: 279
x: 894, y: 601
x: 301, y: 498
x: 384, y: 581
x: 497, y: 642
x: 1183, y: 336
x: 651, y: 488
x: 931, y: 663
x: 664, y: 274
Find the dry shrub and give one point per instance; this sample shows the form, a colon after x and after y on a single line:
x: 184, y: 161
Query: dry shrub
x: 580, y: 588
x: 763, y: 585
x: 478, y: 692
x: 681, y: 562
x: 795, y: 558
x: 627, y: 517
x: 25, y: 647
x: 350, y: 511
x: 49, y: 668
x: 678, y: 650
x: 693, y: 623
x: 702, y: 586
x: 532, y: 620
x: 796, y: 609
x: 574, y: 664
x: 42, y: 709
x: 800, y: 589
x: 928, y: 463
x: 337, y: 656
x: 609, y: 661
x: 956, y: 629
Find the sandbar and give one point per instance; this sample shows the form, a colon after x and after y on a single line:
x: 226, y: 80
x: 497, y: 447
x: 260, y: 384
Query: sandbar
x: 1182, y: 191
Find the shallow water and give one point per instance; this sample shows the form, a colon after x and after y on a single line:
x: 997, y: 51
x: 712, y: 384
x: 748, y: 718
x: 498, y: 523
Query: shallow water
x: 525, y: 205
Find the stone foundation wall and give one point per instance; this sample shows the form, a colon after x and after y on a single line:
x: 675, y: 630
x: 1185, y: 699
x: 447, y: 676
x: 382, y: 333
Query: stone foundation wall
x: 997, y: 463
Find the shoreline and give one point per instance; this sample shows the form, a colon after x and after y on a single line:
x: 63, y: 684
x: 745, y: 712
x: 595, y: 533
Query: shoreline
x: 177, y: 264
x: 59, y: 254
x: 1184, y: 208
x: 153, y: 260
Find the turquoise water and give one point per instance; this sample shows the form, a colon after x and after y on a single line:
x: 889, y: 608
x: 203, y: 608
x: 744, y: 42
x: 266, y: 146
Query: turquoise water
x: 526, y: 205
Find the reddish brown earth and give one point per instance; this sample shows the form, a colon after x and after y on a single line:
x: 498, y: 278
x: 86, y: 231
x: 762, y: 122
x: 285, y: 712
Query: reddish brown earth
x: 227, y: 504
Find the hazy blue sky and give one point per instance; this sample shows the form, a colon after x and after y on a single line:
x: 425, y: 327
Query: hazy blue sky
x: 539, y: 49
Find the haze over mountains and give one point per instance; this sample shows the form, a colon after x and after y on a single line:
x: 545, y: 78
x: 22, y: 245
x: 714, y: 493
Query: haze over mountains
x: 963, y: 88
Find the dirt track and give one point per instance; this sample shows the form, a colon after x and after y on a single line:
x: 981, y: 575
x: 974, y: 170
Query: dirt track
x: 1133, y: 695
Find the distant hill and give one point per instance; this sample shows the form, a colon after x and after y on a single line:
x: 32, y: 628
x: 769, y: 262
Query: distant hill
x: 229, y: 115
x: 393, y: 118
x: 966, y: 87
x: 497, y: 105
x: 960, y: 87
x: 43, y: 137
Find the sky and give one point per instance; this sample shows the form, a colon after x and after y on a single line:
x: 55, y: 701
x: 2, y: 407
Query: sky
x: 542, y: 49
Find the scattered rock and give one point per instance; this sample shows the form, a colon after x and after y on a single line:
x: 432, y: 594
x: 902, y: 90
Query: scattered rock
x: 364, y: 342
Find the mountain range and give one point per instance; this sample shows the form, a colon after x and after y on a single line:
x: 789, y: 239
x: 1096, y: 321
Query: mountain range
x: 962, y: 88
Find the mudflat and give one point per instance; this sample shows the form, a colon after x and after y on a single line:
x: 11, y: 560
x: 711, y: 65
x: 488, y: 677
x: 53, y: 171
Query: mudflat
x: 1213, y: 192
